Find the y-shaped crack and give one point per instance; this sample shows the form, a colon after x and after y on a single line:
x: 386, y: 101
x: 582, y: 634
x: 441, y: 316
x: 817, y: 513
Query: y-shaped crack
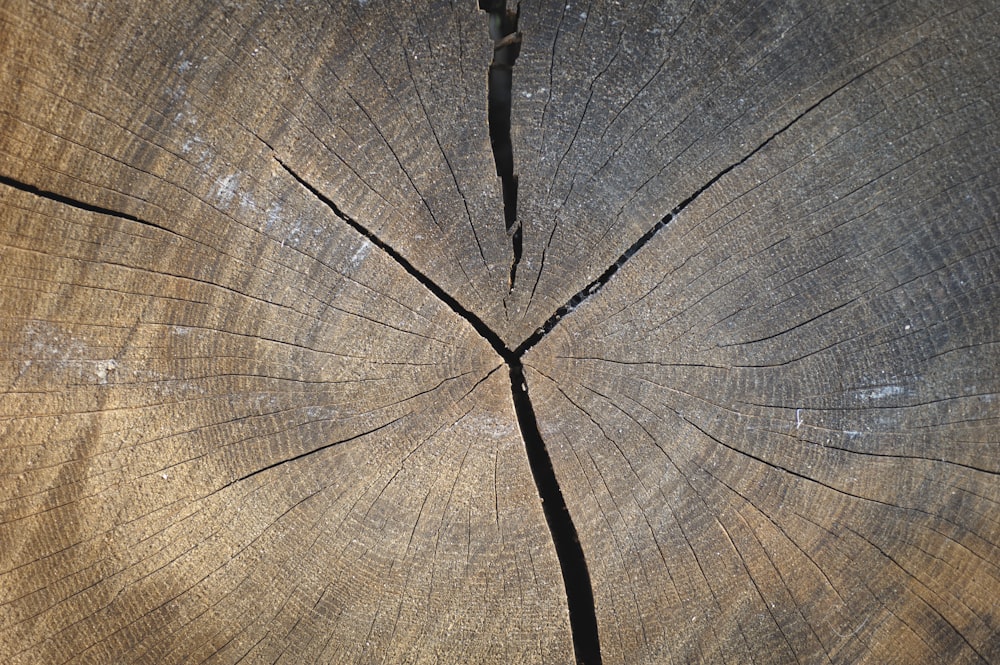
x: 572, y: 563
x: 503, y: 29
x: 576, y: 577
x: 506, y: 47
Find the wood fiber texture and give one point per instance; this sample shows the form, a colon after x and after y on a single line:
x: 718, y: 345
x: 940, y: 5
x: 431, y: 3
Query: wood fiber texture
x: 263, y: 328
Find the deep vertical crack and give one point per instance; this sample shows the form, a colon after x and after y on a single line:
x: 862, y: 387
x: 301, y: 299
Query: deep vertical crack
x: 506, y: 47
x: 576, y: 577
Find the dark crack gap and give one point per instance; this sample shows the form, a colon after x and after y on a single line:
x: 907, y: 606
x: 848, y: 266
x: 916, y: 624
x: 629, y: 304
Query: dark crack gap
x: 576, y: 578
x: 78, y: 204
x: 500, y: 80
x: 573, y: 564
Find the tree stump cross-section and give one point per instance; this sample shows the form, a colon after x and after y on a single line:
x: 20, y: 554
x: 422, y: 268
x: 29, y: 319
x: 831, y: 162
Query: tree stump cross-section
x: 471, y: 332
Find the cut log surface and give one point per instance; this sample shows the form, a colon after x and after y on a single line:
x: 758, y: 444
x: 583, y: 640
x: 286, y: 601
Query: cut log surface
x: 295, y: 369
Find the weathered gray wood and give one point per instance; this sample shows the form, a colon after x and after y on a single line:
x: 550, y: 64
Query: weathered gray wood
x: 778, y: 424
x: 234, y: 427
x: 624, y: 112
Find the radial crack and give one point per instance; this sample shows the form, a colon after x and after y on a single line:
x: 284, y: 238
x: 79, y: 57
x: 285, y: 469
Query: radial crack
x: 478, y: 324
x: 79, y: 205
x: 313, y: 451
x: 576, y: 577
x: 596, y: 285
x: 506, y: 47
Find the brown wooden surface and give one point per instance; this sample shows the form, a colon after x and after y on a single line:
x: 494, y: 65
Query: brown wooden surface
x: 233, y: 428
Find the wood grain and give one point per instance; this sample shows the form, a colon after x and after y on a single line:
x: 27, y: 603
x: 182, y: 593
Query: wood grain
x: 258, y: 333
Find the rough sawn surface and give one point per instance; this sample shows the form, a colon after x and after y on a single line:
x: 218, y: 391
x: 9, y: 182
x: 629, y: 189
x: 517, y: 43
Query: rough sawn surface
x: 257, y: 328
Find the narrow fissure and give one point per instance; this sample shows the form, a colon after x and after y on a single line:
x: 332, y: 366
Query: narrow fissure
x: 500, y: 80
x: 307, y: 453
x: 598, y: 283
x: 76, y: 203
x: 478, y: 324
